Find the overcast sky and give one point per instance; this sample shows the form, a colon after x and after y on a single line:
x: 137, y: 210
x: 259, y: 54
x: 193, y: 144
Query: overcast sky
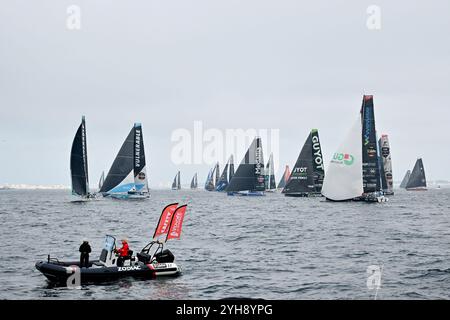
x: 282, y: 64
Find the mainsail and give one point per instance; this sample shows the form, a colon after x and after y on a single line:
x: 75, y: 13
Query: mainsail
x: 222, y: 183
x: 231, y: 162
x: 128, y: 171
x: 417, y: 179
x: 79, y: 163
x: 344, y: 179
x: 249, y: 175
x: 194, y: 183
x: 209, y: 184
x: 176, y: 184
x: 307, y: 175
x: 387, y: 182
x: 405, y: 179
x: 102, y: 180
x: 370, y: 165
x: 284, y: 178
x: 270, y: 175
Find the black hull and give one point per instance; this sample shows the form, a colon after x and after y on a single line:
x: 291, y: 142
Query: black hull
x: 59, y: 272
x: 303, y: 195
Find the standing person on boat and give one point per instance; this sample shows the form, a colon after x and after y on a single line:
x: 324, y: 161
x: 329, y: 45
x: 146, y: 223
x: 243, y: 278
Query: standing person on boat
x: 122, y: 252
x: 85, y: 249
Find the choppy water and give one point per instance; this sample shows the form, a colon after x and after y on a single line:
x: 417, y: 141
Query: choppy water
x: 261, y: 247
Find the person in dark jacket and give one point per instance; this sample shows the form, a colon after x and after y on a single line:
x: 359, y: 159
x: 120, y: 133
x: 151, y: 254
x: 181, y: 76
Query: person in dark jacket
x: 85, y: 249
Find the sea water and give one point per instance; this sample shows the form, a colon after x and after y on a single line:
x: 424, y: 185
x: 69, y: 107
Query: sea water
x: 271, y: 247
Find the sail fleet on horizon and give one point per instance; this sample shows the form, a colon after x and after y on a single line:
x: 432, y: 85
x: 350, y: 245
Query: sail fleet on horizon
x: 360, y: 169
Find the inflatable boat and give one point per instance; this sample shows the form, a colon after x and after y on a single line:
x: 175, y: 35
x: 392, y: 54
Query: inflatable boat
x: 153, y: 261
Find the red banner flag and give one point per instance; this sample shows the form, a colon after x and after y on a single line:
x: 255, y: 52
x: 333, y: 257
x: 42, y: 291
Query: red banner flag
x: 177, y: 223
x: 165, y: 219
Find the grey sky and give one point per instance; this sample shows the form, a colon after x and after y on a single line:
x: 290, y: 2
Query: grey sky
x: 292, y: 65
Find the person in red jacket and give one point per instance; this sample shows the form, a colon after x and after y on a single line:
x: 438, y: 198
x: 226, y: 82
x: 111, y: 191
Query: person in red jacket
x: 122, y: 252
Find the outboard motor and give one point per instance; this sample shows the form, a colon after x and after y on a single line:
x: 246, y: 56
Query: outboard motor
x: 165, y: 256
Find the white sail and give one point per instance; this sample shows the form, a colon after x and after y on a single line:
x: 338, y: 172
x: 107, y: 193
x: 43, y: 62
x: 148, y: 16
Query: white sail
x: 343, y: 179
x: 102, y: 179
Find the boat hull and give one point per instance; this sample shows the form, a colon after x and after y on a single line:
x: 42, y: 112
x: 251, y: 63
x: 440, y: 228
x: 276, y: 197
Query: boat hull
x: 417, y: 189
x: 59, y: 272
x: 303, y: 194
x: 247, y: 193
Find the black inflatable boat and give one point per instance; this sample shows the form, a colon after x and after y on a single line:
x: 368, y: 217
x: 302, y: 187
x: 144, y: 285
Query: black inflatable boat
x: 153, y: 261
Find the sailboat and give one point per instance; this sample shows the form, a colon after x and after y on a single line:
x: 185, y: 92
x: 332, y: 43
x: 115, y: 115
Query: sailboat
x: 387, y: 181
x: 353, y: 172
x: 269, y: 178
x: 306, y: 178
x: 102, y: 180
x: 176, y: 184
x: 417, y: 180
x: 249, y: 177
x: 79, y: 164
x: 212, y: 179
x: 405, y: 179
x: 194, y: 183
x: 226, y: 175
x: 284, y: 178
x: 127, y: 178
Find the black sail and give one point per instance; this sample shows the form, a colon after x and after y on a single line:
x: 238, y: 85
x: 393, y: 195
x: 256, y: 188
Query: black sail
x: 284, y: 178
x: 139, y: 153
x: 231, y: 168
x: 417, y: 178
x: 78, y: 162
x: 405, y: 179
x: 371, y: 173
x: 319, y: 170
x: 301, y: 180
x: 250, y: 172
x: 194, y: 182
x: 223, y: 180
x: 122, y: 165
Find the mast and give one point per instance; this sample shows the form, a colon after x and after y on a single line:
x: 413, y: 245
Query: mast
x: 370, y: 165
x: 79, y: 163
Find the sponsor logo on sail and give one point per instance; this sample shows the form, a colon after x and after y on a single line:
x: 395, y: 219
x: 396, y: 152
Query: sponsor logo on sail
x: 137, y: 148
x: 343, y: 158
x: 318, y: 160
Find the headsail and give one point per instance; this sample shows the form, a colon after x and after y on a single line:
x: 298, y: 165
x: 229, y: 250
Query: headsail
x: 249, y: 175
x: 284, y: 178
x: 270, y: 184
x: 223, y: 180
x: 370, y: 165
x: 302, y: 178
x: 387, y: 181
x: 417, y: 179
x: 344, y: 179
x: 405, y: 179
x: 78, y: 162
x: 120, y: 177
